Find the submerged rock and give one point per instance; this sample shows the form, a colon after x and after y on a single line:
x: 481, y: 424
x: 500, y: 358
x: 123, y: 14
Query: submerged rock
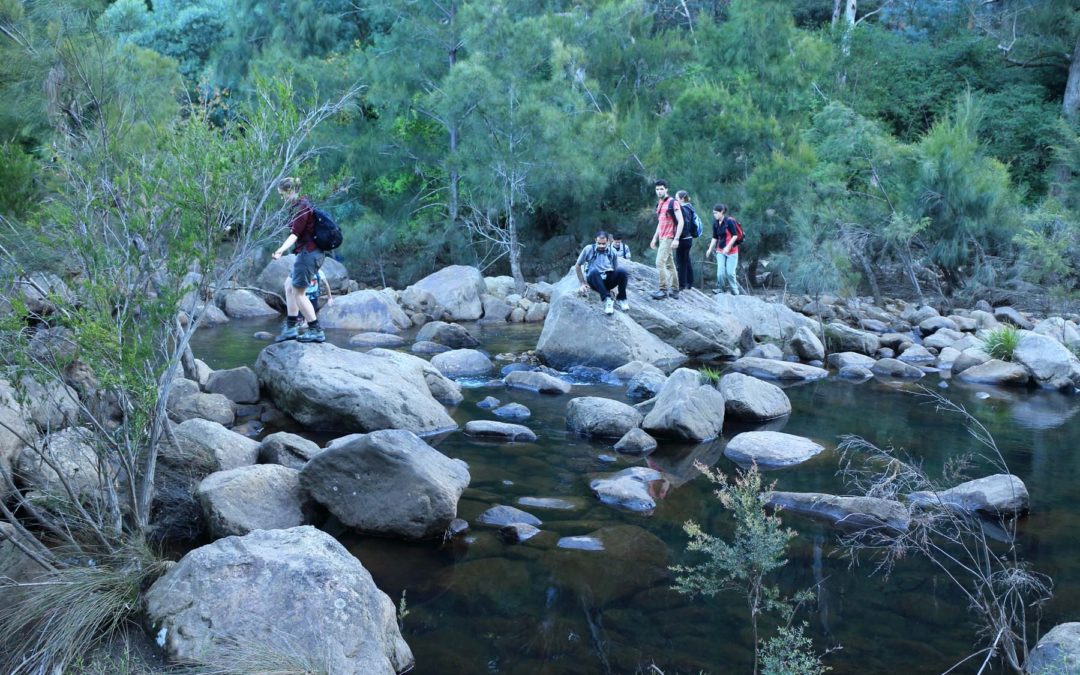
x: 636, y: 442
x: 778, y: 370
x: 1000, y: 495
x: 770, y: 449
x: 301, y: 582
x: 537, y: 381
x: 628, y: 489
x: 503, y: 430
x: 362, y: 482
x: 601, y: 417
x: 500, y: 515
x: 512, y: 411
x: 852, y: 514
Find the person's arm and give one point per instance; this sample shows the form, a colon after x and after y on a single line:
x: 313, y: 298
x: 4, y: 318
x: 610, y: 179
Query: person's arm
x: 678, y: 224
x: 326, y: 285
x: 712, y: 245
x: 284, y: 247
x: 577, y: 268
x: 626, y: 252
x: 655, y: 237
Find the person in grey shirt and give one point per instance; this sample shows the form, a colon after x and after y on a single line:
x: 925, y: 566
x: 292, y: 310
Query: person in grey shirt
x: 601, y: 272
x: 621, y: 248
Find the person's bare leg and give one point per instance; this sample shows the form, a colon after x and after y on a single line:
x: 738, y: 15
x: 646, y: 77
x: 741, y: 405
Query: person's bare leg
x: 290, y: 299
x: 304, y: 304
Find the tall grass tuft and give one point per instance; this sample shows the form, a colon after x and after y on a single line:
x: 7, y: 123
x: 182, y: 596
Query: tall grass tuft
x: 709, y: 375
x: 52, y: 622
x: 1001, y: 343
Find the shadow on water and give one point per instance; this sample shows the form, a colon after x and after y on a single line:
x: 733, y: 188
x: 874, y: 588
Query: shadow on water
x: 479, y: 605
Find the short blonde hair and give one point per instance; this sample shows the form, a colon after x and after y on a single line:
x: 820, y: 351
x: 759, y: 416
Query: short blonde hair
x: 288, y: 185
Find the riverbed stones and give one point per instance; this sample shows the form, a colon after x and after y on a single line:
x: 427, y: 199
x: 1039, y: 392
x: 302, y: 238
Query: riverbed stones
x: 501, y: 515
x: 1000, y: 495
x: 594, y: 416
x: 204, y: 447
x: 186, y: 402
x: 258, y: 497
x: 1051, y: 364
x: 458, y: 289
x: 325, y: 387
x: 243, y: 304
x: 806, y: 345
x: 512, y: 411
x: 636, y: 442
x: 500, y: 430
x: 611, y: 563
x: 577, y: 332
x: 942, y: 339
x: 239, y: 385
x: 371, y: 340
x: 366, y: 311
x: 388, y: 482
x: 1059, y: 329
x: 533, y: 380
x: 850, y: 514
x: 451, y: 335
x: 287, y: 450
x: 844, y: 338
x: 767, y: 320
x: 968, y: 358
x: 996, y: 372
x: 686, y: 409
x: 896, y: 368
x: 299, y: 581
x: 66, y: 456
x: 936, y: 323
x: 752, y: 400
x: 916, y: 354
x: 1057, y: 653
x: 1012, y: 316
x: 769, y: 369
x: 855, y: 373
x: 770, y: 449
x: 646, y: 383
x: 841, y: 360
x: 628, y: 489
x: 462, y: 363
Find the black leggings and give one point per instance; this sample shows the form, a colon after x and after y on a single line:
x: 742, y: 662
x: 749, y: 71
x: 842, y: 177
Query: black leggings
x: 682, y: 264
x: 604, y: 282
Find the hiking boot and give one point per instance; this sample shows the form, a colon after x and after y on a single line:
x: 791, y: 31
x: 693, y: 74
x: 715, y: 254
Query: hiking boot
x: 288, y: 333
x: 658, y: 295
x: 675, y: 294
x: 312, y: 335
x: 609, y: 306
x: 624, y: 305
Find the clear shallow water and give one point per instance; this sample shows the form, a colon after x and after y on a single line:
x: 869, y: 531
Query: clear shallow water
x: 481, y: 606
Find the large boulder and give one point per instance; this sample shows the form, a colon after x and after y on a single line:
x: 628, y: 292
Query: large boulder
x: 204, y: 447
x: 15, y: 564
x: 445, y: 390
x: 1061, y: 330
x: 767, y: 320
x: 251, y: 591
x: 52, y: 405
x: 996, y: 371
x: 1010, y: 315
x: 647, y: 383
x: 769, y: 369
x: 686, y: 409
x: 462, y: 363
x: 690, y: 324
x: 186, y: 402
x: 68, y: 456
x: 750, y: 399
x: 239, y: 385
x: 449, y: 334
x: 578, y: 333
x: 1050, y: 362
x: 323, y: 386
x: 244, y: 304
x: 287, y: 450
x: 1057, y: 653
x: 842, y: 338
x: 806, y: 345
x: 369, y: 311
x: 1000, y: 495
x: 388, y: 482
x: 248, y: 498
x: 850, y: 514
x: 601, y: 417
x: 458, y: 290
x: 534, y: 380
x: 770, y: 449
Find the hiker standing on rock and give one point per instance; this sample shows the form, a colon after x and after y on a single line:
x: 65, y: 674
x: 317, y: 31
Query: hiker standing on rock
x: 686, y: 241
x: 601, y: 265
x: 308, y: 261
x: 669, y: 227
x: 727, y: 234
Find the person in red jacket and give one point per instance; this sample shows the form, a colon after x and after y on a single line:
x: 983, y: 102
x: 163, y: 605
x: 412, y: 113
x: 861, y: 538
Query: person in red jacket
x: 308, y: 261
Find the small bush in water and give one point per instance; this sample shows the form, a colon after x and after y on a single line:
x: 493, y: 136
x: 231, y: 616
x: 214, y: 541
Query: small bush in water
x: 1001, y: 342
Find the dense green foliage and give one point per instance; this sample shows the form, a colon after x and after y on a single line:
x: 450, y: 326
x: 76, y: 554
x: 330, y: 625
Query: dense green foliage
x: 928, y: 148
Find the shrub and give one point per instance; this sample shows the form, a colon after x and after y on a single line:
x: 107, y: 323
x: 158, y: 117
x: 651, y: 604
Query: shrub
x: 1001, y: 342
x: 709, y: 375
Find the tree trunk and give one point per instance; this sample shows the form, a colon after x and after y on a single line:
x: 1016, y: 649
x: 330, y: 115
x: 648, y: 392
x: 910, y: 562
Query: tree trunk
x: 1071, y: 101
x: 849, y: 27
x: 515, y: 254
x: 868, y: 271
x: 905, y: 255
x: 452, y: 205
x: 836, y: 12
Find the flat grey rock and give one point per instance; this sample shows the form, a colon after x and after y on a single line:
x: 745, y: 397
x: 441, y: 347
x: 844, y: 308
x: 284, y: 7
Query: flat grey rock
x: 770, y: 449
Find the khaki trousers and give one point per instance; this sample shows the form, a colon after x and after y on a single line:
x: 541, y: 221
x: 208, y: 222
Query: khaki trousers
x: 665, y: 266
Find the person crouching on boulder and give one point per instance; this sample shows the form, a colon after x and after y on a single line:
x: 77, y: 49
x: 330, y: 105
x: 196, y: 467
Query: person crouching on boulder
x: 308, y: 261
x: 601, y: 271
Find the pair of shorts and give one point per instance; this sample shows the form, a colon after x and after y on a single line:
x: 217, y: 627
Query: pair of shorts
x: 305, y: 268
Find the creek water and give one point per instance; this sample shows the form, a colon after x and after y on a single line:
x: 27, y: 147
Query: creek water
x: 478, y: 605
